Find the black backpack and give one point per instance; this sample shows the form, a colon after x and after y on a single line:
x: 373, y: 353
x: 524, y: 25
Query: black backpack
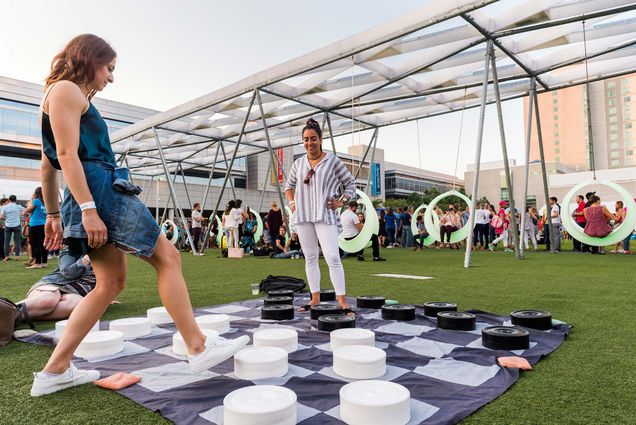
x: 11, y: 316
x: 272, y: 283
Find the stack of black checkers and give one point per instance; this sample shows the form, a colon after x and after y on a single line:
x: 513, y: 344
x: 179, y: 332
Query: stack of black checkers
x: 432, y: 308
x: 331, y: 322
x: 277, y: 312
x: 535, y: 319
x: 278, y: 300
x: 505, y: 338
x: 327, y: 295
x: 370, y: 301
x: 324, y: 309
x: 456, y: 320
x: 398, y: 312
x: 280, y: 293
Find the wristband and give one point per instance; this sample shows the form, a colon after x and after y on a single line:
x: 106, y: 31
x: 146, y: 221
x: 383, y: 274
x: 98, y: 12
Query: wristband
x: 88, y: 206
x: 292, y: 202
x: 55, y: 213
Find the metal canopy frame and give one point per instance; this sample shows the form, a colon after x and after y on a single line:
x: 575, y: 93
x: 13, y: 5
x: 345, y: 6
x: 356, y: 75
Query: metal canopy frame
x: 426, y: 63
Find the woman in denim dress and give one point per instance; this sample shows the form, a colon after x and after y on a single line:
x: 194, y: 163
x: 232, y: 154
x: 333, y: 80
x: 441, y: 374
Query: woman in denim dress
x: 102, y: 215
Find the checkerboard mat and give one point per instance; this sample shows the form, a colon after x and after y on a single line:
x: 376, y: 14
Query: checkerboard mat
x: 450, y: 374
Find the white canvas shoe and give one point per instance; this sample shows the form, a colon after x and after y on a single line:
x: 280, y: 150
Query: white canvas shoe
x: 43, y: 384
x: 217, y: 350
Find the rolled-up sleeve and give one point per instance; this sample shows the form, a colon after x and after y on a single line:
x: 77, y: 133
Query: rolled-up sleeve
x: 346, y: 179
x: 290, y: 184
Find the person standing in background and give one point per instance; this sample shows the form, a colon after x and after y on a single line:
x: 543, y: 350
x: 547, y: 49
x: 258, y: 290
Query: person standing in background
x: 36, y: 208
x: 12, y: 212
x: 197, y: 218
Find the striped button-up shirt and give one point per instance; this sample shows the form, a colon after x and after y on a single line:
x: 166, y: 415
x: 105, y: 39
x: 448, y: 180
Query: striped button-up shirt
x: 311, y: 199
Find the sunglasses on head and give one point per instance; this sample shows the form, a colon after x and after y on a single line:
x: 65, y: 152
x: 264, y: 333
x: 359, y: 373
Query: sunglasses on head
x: 309, y: 175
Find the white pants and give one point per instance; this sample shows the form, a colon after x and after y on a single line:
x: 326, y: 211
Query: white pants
x: 533, y: 237
x: 232, y: 235
x: 502, y: 237
x: 309, y: 235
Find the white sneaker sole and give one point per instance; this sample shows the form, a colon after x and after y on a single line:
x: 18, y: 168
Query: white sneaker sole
x: 84, y: 379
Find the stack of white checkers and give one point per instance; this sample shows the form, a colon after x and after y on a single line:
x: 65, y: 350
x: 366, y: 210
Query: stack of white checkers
x: 355, y: 355
x: 101, y: 343
x: 61, y: 326
x: 133, y: 327
x: 287, y: 339
x: 159, y: 316
x: 260, y: 405
x: 351, y: 336
x: 217, y: 322
x: 375, y: 403
x: 260, y: 363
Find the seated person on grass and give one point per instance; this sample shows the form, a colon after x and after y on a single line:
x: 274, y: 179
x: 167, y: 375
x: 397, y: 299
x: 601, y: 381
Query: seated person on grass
x: 283, y: 250
x: 56, y: 294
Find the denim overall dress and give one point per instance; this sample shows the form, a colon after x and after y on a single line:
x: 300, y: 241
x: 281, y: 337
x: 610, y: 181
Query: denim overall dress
x: 130, y: 225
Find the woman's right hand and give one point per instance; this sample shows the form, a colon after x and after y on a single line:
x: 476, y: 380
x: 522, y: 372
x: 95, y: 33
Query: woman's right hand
x: 95, y: 228
x: 53, y: 233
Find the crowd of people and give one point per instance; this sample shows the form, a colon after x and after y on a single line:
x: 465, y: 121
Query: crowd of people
x: 101, y: 219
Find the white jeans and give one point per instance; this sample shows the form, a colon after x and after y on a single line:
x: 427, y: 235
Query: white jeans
x: 502, y: 237
x: 533, y: 237
x: 232, y: 235
x: 309, y: 235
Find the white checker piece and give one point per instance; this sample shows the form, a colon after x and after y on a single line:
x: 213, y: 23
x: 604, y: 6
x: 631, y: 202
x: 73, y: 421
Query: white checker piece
x: 215, y: 415
x: 392, y: 372
x: 420, y: 412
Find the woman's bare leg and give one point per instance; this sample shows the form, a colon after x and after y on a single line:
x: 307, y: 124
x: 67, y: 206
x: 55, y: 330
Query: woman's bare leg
x: 174, y: 294
x: 109, y: 265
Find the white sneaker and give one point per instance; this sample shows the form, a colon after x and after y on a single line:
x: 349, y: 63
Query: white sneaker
x: 217, y: 351
x: 43, y: 384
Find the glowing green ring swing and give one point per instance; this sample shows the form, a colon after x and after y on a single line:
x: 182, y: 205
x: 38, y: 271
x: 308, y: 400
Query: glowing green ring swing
x: 259, y: 226
x: 433, y: 228
x: 429, y: 239
x: 371, y: 227
x: 175, y: 234
x: 219, y: 236
x: 624, y: 230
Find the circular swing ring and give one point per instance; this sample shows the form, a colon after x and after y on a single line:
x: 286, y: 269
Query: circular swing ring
x: 433, y: 228
x: 371, y: 227
x: 175, y: 234
x: 259, y: 227
x: 623, y: 231
x: 219, y: 225
x: 427, y: 240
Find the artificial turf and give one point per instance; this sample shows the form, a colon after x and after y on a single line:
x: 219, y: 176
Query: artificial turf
x: 590, y: 379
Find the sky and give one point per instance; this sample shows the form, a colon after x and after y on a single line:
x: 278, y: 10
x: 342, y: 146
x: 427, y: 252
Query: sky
x: 170, y: 52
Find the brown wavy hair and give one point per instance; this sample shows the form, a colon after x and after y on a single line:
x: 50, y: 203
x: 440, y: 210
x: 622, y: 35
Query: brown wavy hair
x: 79, y: 58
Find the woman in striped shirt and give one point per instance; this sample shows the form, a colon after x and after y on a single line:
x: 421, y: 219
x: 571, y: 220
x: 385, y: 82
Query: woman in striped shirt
x: 314, y: 200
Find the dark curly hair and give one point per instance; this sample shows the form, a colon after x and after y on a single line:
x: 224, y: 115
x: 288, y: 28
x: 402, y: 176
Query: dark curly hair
x: 312, y: 124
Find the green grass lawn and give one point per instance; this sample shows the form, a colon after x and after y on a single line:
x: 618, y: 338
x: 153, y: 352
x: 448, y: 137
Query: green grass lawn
x: 590, y: 379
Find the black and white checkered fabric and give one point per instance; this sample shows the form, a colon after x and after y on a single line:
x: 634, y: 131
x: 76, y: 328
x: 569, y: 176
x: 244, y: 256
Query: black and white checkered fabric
x: 448, y: 373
